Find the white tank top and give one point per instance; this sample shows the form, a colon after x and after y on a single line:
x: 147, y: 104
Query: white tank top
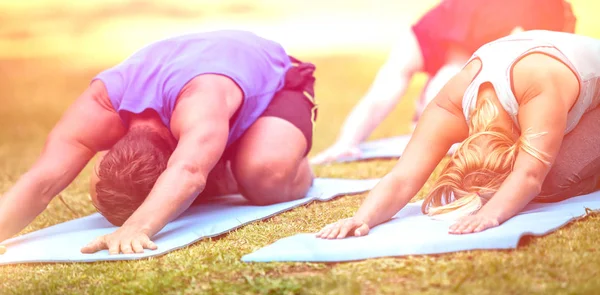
x: 580, y: 53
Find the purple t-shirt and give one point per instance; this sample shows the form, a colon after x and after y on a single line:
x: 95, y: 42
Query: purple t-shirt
x: 153, y: 77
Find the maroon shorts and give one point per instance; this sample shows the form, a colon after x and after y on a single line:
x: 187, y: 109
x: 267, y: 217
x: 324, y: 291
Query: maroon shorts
x: 294, y: 103
x: 469, y: 24
x: 576, y: 170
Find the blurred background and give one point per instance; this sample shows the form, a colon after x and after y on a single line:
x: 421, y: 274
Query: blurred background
x: 99, y: 32
x: 105, y: 31
x: 50, y: 49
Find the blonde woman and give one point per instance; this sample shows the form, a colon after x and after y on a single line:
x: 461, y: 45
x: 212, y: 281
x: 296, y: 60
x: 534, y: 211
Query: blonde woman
x: 438, y: 45
x: 525, y: 109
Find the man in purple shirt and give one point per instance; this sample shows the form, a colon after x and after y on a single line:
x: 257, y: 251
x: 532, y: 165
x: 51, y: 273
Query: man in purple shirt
x: 199, y: 114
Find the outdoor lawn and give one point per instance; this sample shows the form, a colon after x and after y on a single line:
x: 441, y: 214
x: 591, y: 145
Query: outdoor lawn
x: 37, y: 86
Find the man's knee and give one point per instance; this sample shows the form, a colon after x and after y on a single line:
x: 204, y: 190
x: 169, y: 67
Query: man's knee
x: 265, y: 181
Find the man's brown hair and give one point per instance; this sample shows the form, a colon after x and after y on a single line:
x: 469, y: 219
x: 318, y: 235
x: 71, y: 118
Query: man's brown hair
x: 128, y: 172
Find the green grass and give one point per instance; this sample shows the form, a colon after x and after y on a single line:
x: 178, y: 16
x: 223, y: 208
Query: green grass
x: 33, y: 95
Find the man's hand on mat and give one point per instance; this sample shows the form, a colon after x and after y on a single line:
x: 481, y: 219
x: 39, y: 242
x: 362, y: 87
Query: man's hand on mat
x: 124, y: 240
x: 335, y: 152
x: 344, y: 228
x: 473, y: 224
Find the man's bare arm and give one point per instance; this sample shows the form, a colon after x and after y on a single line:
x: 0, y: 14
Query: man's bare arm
x: 201, y: 123
x: 87, y: 126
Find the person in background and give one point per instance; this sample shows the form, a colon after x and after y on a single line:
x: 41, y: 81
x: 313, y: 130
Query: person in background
x: 439, y: 44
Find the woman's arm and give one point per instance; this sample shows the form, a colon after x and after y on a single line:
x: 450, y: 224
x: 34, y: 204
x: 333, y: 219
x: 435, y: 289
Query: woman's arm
x: 441, y: 125
x: 545, y: 103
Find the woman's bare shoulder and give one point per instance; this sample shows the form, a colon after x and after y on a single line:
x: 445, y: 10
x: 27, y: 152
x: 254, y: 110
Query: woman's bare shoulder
x: 452, y: 93
x: 539, y: 73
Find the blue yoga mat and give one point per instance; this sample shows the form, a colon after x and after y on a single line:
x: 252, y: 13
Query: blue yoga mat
x: 62, y: 242
x: 412, y: 233
x: 392, y: 147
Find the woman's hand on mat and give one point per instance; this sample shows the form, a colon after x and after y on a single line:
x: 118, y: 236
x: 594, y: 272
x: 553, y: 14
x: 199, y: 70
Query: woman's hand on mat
x: 344, y: 228
x: 473, y: 224
x: 124, y: 240
x: 336, y: 152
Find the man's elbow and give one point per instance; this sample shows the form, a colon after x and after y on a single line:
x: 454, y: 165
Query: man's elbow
x: 191, y: 175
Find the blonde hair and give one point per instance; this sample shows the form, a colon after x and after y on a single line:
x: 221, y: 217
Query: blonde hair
x: 478, y: 167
